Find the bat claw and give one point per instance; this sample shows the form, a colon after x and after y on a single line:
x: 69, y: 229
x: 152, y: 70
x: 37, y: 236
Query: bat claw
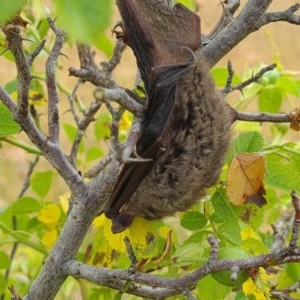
x: 120, y: 34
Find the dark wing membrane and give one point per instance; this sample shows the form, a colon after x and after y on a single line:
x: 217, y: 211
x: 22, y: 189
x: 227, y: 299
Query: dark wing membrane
x: 162, y: 97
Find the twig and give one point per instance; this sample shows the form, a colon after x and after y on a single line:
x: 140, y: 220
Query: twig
x: 14, y: 41
x: 71, y: 100
x: 214, y: 243
x: 14, y: 219
x: 130, y: 252
x: 287, y: 16
x: 109, y: 66
x: 99, y: 167
x: 121, y: 97
x: 281, y: 230
x: 90, y: 75
x: 88, y: 69
x: 228, y: 88
x: 86, y: 57
x: 132, y: 138
x: 187, y: 293
x: 53, y: 99
x: 296, y: 225
x: 229, y: 9
x: 31, y: 57
x: 14, y: 294
x: 263, y: 117
x: 284, y: 294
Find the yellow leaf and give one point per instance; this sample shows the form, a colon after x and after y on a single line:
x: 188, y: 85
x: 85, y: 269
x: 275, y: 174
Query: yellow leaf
x: 50, y: 214
x: 105, y: 256
x: 49, y: 238
x: 247, y: 233
x: 260, y: 287
x: 141, y: 232
x: 245, y: 179
x: 114, y: 241
x: 64, y: 201
x: 36, y: 98
x: 125, y: 121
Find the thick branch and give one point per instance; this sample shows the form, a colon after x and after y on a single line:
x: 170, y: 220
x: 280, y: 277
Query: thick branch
x: 174, y: 286
x: 85, y: 206
x: 248, y: 21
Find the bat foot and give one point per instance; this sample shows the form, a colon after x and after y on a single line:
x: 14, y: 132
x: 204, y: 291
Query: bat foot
x: 120, y: 34
x: 121, y: 222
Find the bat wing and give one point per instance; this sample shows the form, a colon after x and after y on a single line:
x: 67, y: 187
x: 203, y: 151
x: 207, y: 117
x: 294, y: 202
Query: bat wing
x: 162, y: 97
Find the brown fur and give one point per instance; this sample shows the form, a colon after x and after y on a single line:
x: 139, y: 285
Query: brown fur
x: 189, y: 149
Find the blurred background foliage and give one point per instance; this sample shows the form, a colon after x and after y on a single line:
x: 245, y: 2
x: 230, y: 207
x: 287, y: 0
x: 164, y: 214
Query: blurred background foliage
x: 30, y: 222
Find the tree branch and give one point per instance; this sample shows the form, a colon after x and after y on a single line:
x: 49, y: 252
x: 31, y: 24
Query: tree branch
x: 263, y: 117
x: 21, y: 113
x: 14, y: 42
x: 286, y: 16
x: 120, y: 96
x: 229, y: 88
x: 53, y: 113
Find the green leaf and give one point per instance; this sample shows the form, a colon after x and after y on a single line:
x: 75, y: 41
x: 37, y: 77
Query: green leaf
x: 4, y: 260
x: 84, y: 21
x: 3, y: 288
x: 287, y: 85
x: 223, y: 209
x: 281, y: 173
x: 240, y: 296
x: 250, y: 141
x: 7, y: 124
x: 11, y: 86
x: 193, y: 220
x: 189, y: 253
x: 9, y: 9
x: 25, y: 205
x: 208, y: 289
x: 101, y: 127
x: 250, y: 214
x: 270, y: 99
x: 220, y: 76
x: 41, y: 182
x: 254, y: 246
x: 231, y: 232
x: 252, y: 90
x: 94, y: 153
x: 43, y: 28
x: 293, y: 271
x: 188, y: 3
x: 70, y: 131
x: 197, y: 237
x: 104, y: 44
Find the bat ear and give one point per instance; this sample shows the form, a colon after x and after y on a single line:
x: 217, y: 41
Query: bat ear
x: 190, y: 52
x: 190, y: 32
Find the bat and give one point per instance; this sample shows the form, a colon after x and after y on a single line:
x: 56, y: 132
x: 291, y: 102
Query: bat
x: 186, y: 130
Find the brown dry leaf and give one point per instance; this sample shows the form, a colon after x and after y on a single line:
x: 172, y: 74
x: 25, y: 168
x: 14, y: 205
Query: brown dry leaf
x: 295, y: 119
x: 245, y: 180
